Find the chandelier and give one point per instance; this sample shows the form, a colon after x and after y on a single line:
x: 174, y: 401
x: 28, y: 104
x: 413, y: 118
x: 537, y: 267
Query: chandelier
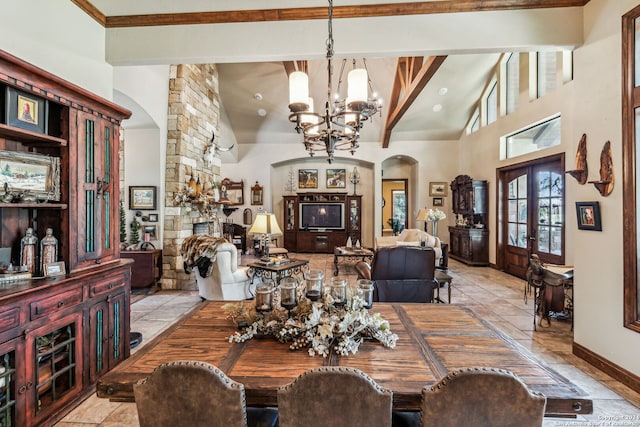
x: 338, y: 126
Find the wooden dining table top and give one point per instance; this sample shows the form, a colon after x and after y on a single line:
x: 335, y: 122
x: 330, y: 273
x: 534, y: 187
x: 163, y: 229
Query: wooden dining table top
x: 433, y: 339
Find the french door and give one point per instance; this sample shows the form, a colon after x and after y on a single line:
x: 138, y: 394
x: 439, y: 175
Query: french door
x: 532, y: 214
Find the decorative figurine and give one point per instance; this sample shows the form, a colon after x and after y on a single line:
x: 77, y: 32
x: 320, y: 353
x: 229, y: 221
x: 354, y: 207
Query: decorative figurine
x: 28, y: 245
x: 48, y: 249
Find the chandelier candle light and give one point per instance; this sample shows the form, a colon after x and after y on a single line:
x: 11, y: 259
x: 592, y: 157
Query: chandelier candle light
x: 338, y: 127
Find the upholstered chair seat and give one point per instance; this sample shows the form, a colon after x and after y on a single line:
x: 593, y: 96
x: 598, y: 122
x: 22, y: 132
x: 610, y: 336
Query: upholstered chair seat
x: 481, y: 397
x: 334, y: 396
x: 191, y: 393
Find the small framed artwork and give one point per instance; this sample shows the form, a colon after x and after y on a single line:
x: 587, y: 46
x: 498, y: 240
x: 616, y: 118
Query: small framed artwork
x: 25, y: 111
x: 336, y: 178
x: 149, y: 230
x: 256, y: 194
x: 438, y: 201
x: 55, y: 269
x: 153, y: 218
x: 142, y: 198
x: 307, y: 178
x: 437, y: 189
x: 588, y: 214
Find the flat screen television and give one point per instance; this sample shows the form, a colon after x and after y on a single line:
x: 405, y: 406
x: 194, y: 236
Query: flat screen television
x: 322, y: 216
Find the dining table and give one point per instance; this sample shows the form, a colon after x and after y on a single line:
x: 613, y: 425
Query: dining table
x: 433, y: 339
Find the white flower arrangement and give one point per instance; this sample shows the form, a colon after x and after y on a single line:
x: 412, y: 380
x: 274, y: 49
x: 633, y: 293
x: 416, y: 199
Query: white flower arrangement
x: 435, y: 215
x: 319, y: 326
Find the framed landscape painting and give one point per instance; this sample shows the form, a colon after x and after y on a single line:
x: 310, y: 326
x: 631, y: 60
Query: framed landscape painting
x: 142, y: 198
x: 307, y: 178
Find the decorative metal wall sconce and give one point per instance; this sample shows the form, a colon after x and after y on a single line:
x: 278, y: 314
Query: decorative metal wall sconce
x: 581, y: 171
x: 607, y: 179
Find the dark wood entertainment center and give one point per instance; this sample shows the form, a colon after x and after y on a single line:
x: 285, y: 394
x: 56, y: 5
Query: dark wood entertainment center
x: 299, y: 237
x: 58, y: 335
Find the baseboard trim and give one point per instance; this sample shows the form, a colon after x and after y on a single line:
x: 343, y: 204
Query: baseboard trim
x: 625, y: 377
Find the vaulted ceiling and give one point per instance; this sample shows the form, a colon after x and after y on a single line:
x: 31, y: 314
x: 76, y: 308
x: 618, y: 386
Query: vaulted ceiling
x: 429, y: 60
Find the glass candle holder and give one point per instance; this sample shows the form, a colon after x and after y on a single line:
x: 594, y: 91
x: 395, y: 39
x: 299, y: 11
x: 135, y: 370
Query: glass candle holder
x: 365, y: 290
x: 288, y: 293
x: 313, y: 283
x: 338, y: 290
x: 264, y: 298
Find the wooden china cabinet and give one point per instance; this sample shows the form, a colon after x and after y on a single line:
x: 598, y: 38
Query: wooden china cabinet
x: 469, y: 239
x: 59, y: 334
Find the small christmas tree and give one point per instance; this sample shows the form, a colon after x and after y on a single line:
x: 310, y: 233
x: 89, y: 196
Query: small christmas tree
x: 135, y: 233
x: 290, y: 185
x: 123, y: 224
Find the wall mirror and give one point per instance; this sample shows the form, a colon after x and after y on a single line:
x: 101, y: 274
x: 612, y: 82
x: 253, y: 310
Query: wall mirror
x: 231, y: 192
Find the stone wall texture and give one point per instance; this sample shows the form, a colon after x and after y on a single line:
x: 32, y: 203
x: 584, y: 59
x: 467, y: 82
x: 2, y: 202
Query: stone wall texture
x: 194, y: 113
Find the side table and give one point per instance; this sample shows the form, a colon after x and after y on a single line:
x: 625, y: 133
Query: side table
x: 350, y: 254
x: 147, y: 268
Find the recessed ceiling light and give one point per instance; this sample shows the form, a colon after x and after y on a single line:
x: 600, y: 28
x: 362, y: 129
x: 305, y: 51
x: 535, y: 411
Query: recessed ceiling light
x: 443, y: 90
x: 437, y: 107
x: 262, y: 112
x: 258, y: 96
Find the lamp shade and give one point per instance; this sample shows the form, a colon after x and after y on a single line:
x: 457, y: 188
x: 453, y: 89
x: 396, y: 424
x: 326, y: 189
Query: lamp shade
x: 298, y: 91
x: 265, y: 223
x: 422, y: 215
x: 357, y: 89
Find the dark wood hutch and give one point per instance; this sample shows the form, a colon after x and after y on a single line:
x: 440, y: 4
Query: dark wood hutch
x: 469, y: 239
x: 298, y: 237
x: 58, y: 335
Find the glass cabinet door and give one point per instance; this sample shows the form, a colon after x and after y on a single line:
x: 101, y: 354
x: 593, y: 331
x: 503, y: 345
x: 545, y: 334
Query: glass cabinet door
x: 12, y: 388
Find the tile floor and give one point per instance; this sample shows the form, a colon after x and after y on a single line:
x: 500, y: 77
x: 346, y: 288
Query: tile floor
x: 495, y: 295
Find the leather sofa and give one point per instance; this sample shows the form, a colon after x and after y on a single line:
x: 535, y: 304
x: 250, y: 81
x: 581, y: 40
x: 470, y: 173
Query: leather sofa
x: 411, y: 237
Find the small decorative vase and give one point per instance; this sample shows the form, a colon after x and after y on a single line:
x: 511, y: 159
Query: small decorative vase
x: 434, y: 228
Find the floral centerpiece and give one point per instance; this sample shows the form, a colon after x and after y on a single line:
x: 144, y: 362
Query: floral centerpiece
x: 435, y: 215
x: 320, y: 326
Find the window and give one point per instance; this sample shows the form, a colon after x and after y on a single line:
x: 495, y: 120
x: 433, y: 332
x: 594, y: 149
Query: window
x: 492, y: 104
x: 546, y: 72
x: 513, y: 82
x: 631, y: 161
x: 474, y: 123
x: 534, y: 138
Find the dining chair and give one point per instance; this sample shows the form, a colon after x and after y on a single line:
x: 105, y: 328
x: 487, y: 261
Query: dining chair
x: 334, y: 396
x: 192, y: 393
x: 481, y: 397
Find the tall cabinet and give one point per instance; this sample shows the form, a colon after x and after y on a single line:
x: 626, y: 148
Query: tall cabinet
x: 59, y: 159
x: 469, y: 239
x: 299, y: 239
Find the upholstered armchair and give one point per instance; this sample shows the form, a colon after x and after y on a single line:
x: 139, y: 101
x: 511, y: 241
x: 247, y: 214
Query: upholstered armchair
x: 218, y: 275
x: 401, y: 274
x: 411, y: 237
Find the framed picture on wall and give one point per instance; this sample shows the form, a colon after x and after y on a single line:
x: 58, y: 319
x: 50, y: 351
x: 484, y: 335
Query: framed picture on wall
x: 307, y: 178
x: 438, y: 201
x: 437, y: 189
x: 142, y: 198
x: 588, y: 214
x: 336, y: 178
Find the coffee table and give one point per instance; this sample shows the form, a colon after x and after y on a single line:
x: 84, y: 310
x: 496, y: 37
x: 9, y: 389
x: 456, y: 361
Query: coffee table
x: 294, y: 268
x: 350, y: 254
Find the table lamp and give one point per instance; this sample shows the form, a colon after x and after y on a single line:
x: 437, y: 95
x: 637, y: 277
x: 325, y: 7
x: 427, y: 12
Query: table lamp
x: 266, y: 225
x: 422, y: 216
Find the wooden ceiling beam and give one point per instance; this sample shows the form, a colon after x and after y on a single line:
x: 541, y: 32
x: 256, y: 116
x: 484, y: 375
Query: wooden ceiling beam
x: 311, y: 13
x: 404, y: 94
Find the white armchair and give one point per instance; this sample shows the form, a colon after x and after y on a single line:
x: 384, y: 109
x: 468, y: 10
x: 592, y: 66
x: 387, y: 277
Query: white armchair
x: 218, y: 275
x: 411, y: 237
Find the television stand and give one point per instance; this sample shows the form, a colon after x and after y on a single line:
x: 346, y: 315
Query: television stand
x: 297, y: 238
